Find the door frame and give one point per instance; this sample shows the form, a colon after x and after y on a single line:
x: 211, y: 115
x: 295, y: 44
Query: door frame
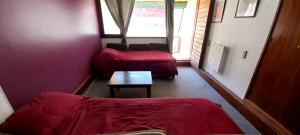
x: 259, y: 113
x: 206, y: 34
x: 269, y: 38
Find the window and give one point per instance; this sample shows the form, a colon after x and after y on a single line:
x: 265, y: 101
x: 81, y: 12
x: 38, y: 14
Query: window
x: 179, y: 9
x: 184, y: 24
x: 147, y: 19
x: 109, y: 25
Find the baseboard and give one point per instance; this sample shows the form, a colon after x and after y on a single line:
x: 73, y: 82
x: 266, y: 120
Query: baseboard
x: 84, y: 85
x: 271, y: 122
x: 263, y: 122
x: 183, y: 63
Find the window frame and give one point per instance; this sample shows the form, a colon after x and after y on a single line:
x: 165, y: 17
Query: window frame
x: 101, y: 26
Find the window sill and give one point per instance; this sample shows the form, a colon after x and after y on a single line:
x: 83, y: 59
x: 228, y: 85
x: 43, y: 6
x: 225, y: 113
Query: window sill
x: 115, y: 36
x: 143, y: 37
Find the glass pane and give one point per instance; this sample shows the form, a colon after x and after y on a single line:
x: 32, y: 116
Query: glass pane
x: 184, y: 23
x: 148, y: 19
x: 178, y: 14
x: 109, y: 24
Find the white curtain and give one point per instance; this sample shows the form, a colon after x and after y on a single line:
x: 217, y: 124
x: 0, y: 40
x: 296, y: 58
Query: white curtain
x: 170, y: 23
x: 121, y: 11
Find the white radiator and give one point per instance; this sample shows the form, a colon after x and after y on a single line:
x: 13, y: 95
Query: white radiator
x: 216, y: 55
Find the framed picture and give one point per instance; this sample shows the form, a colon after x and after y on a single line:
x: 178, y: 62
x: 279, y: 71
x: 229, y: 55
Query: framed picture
x: 246, y: 8
x: 218, y: 10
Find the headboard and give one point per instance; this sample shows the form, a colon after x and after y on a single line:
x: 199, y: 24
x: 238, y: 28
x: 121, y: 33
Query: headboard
x: 6, y: 109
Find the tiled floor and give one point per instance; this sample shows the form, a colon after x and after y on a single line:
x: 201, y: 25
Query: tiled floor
x: 187, y: 84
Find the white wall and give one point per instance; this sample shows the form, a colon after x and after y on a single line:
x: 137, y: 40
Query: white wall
x: 239, y: 34
x: 134, y: 40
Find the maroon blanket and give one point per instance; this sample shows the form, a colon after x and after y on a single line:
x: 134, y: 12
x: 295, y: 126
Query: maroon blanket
x: 160, y: 63
x: 66, y: 114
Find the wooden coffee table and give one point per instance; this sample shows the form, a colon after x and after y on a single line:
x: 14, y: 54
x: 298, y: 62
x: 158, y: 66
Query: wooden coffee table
x: 130, y: 79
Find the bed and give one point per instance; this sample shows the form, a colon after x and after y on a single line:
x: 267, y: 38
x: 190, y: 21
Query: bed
x: 160, y: 63
x: 66, y: 114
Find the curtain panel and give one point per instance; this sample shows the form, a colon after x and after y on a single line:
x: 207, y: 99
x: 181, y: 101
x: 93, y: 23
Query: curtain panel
x: 121, y: 11
x: 170, y: 23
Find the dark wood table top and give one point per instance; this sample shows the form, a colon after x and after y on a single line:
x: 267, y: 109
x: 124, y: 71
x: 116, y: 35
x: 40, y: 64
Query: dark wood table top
x: 130, y: 78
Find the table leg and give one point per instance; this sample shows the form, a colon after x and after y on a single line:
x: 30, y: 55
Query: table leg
x: 148, y: 91
x: 112, y: 92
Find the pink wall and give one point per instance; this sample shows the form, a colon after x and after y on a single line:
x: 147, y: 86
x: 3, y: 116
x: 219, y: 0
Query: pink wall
x: 45, y: 45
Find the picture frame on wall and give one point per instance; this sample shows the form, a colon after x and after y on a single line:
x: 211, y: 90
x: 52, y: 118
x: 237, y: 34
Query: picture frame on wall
x: 246, y: 8
x: 218, y: 11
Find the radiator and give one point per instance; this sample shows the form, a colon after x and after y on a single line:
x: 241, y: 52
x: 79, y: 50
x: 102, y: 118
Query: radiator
x: 216, y: 56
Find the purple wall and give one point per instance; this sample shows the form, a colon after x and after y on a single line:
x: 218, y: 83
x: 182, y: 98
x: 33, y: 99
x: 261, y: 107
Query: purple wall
x: 45, y: 45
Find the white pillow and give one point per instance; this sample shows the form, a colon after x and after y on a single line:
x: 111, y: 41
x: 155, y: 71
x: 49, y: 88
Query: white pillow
x: 6, y: 109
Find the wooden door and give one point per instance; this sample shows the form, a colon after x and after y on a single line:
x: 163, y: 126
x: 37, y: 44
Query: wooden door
x: 276, y: 84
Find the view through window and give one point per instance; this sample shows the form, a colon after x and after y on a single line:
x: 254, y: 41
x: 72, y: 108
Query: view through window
x: 109, y: 25
x: 184, y: 23
x: 148, y: 19
x: 178, y: 16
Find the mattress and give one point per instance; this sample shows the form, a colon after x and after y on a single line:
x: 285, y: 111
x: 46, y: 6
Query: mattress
x: 66, y: 114
x: 160, y: 63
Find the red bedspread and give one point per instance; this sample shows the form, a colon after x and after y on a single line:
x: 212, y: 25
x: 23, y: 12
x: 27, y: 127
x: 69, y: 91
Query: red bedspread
x: 66, y: 114
x: 160, y: 63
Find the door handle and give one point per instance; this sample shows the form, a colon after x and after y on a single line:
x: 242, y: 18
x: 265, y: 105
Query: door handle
x: 298, y: 46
